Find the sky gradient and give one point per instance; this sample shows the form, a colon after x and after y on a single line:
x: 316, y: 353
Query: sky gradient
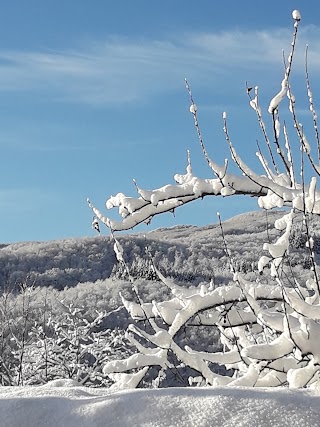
x: 92, y: 95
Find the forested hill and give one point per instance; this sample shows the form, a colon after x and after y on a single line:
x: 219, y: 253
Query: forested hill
x: 187, y: 253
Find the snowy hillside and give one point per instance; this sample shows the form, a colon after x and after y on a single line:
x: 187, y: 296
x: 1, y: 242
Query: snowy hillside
x: 53, y: 406
x: 187, y: 253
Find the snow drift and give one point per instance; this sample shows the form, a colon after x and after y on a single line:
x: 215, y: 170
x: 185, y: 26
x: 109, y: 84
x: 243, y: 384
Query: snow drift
x: 60, y: 403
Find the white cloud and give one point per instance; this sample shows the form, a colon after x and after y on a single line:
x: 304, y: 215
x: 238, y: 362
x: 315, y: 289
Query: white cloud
x: 121, y: 70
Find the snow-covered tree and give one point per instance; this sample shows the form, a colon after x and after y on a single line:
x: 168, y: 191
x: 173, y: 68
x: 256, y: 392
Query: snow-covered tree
x: 269, y: 329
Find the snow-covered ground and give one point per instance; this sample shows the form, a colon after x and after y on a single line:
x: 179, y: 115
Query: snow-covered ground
x: 59, y: 404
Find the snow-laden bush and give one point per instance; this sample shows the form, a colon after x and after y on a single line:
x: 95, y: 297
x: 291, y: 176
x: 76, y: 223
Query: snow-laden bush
x: 269, y: 328
x: 44, y: 338
x: 71, y: 347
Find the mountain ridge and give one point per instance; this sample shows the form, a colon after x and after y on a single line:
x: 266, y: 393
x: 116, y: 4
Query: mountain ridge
x: 188, y: 253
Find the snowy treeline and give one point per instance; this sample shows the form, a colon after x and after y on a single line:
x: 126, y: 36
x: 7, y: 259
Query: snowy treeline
x: 187, y: 253
x: 269, y: 327
x: 58, y: 263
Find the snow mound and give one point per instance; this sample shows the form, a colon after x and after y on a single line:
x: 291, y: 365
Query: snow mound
x: 53, y: 406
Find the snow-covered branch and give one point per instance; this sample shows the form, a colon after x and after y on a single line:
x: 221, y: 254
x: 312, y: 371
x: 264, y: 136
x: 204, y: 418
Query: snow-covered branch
x: 274, y: 188
x: 272, y: 193
x: 269, y: 332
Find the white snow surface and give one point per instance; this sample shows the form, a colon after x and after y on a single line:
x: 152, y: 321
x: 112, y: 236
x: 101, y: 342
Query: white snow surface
x: 65, y: 404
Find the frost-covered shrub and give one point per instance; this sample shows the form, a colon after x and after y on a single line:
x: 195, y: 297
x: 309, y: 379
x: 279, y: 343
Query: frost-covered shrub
x: 72, y: 348
x: 43, y: 337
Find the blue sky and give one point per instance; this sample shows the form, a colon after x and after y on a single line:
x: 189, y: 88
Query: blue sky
x: 92, y: 95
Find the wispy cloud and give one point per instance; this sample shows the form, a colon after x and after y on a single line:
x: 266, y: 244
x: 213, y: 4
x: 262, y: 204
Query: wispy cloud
x: 121, y: 70
x: 258, y: 48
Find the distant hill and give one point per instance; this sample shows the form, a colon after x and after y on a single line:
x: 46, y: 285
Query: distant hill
x: 188, y: 253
